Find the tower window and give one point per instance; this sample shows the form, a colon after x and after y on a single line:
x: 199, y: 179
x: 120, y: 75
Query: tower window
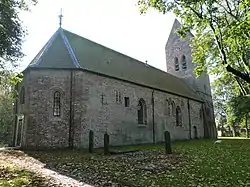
x: 176, y: 64
x: 183, y: 61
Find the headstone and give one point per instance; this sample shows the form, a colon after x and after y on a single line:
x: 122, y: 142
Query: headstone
x: 168, y: 147
x: 195, y: 133
x: 91, y: 141
x: 106, y: 144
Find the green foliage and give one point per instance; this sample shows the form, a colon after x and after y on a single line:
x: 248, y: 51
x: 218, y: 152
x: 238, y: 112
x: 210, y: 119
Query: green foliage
x: 7, y: 99
x: 230, y: 101
x: 11, y: 31
x: 221, y: 27
x: 240, y: 107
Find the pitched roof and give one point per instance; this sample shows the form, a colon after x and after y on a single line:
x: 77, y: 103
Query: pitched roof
x: 68, y: 50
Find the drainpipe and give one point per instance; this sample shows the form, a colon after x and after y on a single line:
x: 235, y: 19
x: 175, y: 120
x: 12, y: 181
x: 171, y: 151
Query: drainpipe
x: 71, y: 112
x: 153, y: 115
x: 189, y: 120
x: 16, y: 111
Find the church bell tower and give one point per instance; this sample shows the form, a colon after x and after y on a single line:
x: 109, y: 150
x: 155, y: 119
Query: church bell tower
x: 179, y: 63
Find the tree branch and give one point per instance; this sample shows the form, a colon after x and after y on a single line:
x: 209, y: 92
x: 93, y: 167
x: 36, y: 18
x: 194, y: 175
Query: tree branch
x: 238, y: 73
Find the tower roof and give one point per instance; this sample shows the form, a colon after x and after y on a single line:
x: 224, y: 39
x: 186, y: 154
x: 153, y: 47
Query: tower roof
x: 68, y: 50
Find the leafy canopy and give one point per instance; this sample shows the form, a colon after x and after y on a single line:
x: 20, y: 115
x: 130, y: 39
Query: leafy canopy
x: 221, y: 27
x: 12, y: 31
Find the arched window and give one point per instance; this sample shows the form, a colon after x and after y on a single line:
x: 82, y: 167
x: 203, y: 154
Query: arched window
x: 178, y: 116
x: 142, y: 112
x: 173, y: 108
x: 168, y: 107
x: 22, y: 95
x: 57, y: 104
x: 176, y: 64
x: 183, y: 61
x: 201, y: 114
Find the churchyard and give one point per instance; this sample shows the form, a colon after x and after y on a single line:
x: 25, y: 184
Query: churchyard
x: 192, y: 163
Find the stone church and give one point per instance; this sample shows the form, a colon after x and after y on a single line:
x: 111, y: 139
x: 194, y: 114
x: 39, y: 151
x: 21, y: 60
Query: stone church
x: 75, y: 85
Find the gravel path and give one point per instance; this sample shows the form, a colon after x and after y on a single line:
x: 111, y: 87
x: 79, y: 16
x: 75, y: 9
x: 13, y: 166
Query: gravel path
x: 22, y: 160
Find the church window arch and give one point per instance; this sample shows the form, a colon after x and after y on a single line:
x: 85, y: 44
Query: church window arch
x: 176, y: 64
x: 142, y: 112
x: 172, y: 108
x: 22, y: 95
x: 178, y: 116
x: 168, y: 107
x: 57, y: 104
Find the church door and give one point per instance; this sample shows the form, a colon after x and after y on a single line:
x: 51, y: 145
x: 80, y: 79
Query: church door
x: 19, y: 132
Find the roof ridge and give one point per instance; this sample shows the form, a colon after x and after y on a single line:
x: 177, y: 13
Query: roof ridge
x: 140, y: 62
x: 69, y: 48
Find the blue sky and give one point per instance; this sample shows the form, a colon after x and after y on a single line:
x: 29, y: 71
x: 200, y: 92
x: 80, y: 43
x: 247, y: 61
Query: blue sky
x: 116, y: 24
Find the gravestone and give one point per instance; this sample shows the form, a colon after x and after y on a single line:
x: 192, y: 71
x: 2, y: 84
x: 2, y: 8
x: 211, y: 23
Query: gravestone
x: 168, y: 147
x: 195, y: 133
x: 91, y: 141
x: 106, y: 144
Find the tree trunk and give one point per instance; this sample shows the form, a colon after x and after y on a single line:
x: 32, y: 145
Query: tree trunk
x: 247, y: 134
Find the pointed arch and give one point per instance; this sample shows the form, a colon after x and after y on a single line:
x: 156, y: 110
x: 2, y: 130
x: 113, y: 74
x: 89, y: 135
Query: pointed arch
x: 176, y: 64
x: 168, y: 108
x: 178, y: 116
x: 201, y: 114
x: 172, y: 108
x: 142, y: 112
x: 184, y: 62
x: 57, y: 104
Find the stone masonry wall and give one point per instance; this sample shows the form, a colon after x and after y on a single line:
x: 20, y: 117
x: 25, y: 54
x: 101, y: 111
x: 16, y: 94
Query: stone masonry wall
x: 95, y: 108
x: 43, y: 129
x: 121, y: 122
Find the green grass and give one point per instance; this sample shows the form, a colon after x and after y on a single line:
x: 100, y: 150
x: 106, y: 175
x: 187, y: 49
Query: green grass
x: 11, y: 176
x: 193, y: 163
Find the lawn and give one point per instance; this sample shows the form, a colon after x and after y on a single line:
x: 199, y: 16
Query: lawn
x: 10, y: 176
x: 193, y: 163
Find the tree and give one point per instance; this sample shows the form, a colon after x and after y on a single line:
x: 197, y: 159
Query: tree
x: 7, y: 98
x: 221, y: 27
x: 11, y: 31
x: 11, y: 38
x: 231, y: 101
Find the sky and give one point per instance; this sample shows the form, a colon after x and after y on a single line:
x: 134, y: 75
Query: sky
x: 116, y: 24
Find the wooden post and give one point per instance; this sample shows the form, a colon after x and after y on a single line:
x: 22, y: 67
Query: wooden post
x: 168, y: 147
x: 91, y: 141
x: 106, y: 144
